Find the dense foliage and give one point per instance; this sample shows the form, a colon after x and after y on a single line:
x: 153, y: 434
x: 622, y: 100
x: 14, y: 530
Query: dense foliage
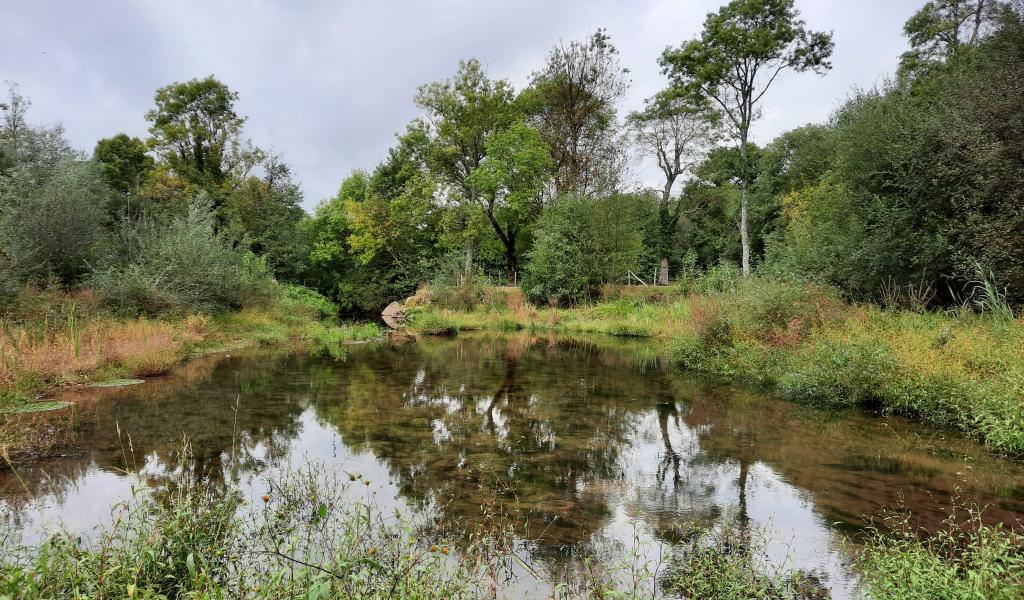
x: 911, y: 189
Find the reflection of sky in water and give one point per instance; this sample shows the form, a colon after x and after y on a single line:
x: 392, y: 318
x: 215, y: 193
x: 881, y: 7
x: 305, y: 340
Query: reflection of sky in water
x: 601, y: 454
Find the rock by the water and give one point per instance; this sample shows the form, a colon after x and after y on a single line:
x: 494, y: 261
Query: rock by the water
x: 394, y: 315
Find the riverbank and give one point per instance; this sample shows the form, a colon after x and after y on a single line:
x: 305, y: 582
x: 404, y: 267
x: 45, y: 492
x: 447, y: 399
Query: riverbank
x: 55, y: 340
x: 962, y: 368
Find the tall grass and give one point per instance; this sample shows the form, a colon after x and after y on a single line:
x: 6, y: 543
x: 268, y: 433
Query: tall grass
x: 964, y: 560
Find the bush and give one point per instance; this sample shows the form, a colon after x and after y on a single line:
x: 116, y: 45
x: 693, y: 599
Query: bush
x: 854, y: 373
x: 52, y: 229
x: 430, y: 322
x: 452, y: 288
x: 181, y: 266
x: 781, y: 312
x: 723, y: 277
x: 582, y: 243
x: 310, y: 300
x: 965, y: 559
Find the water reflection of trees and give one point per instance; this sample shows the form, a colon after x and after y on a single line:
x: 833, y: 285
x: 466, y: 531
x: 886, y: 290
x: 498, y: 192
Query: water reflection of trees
x: 851, y: 465
x: 567, y: 431
x: 238, y: 413
x: 535, y: 423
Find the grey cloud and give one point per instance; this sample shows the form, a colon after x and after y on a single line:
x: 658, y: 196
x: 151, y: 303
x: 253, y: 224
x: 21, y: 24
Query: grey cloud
x: 328, y: 83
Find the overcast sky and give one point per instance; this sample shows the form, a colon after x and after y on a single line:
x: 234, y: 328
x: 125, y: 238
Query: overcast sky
x: 327, y: 83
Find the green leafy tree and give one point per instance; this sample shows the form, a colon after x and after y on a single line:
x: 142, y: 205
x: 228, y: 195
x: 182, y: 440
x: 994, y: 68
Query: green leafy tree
x: 678, y: 135
x: 265, y: 212
x: 23, y: 146
x: 125, y: 164
x: 463, y: 112
x: 510, y: 184
x: 195, y: 130
x: 572, y: 102
x: 52, y: 229
x: 942, y: 27
x: 738, y: 56
x: 582, y: 243
x: 376, y: 240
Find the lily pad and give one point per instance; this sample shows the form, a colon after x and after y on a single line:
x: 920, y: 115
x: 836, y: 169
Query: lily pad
x: 117, y: 382
x: 33, y: 407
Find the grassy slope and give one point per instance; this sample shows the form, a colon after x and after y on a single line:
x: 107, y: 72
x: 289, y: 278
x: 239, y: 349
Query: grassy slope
x: 964, y: 371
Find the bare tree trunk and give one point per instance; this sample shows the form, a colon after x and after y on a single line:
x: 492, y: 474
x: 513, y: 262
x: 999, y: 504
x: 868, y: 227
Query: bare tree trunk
x: 665, y: 238
x: 744, y: 195
x: 467, y: 272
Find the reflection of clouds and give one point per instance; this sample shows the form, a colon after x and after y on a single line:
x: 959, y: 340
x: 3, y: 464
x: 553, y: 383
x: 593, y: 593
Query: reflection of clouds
x: 593, y: 449
x: 441, y: 432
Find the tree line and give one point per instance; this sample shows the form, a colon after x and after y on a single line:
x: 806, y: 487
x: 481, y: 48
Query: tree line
x: 914, y: 183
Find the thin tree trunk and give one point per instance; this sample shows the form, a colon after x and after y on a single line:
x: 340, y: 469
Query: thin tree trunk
x: 667, y: 228
x: 467, y: 272
x: 744, y: 195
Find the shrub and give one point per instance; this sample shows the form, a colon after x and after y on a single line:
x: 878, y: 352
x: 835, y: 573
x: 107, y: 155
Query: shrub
x: 431, y: 323
x: 184, y: 265
x: 582, y: 243
x: 52, y: 229
x: 965, y: 559
x: 854, y: 373
x: 310, y: 300
x: 454, y: 289
x: 781, y: 312
x: 723, y: 277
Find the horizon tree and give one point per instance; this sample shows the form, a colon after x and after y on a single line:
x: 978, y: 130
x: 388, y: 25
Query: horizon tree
x: 462, y: 113
x: 196, y: 131
x: 571, y: 101
x: 678, y: 134
x: 738, y: 56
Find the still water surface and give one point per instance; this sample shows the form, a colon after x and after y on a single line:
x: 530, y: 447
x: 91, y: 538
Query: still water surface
x: 596, y: 442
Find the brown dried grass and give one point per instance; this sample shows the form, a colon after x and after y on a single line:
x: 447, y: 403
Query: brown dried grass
x: 56, y: 355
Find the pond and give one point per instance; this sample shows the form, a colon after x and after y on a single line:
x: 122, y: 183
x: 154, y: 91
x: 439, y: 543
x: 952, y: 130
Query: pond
x: 596, y: 444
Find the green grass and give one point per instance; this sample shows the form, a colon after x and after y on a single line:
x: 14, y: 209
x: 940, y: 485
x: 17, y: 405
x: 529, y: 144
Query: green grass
x: 964, y: 560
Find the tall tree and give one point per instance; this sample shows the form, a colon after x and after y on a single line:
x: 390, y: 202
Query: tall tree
x: 941, y: 27
x: 738, y: 56
x: 463, y: 112
x: 196, y: 130
x: 572, y: 102
x: 37, y: 149
x: 678, y: 135
x: 124, y: 162
x: 265, y: 212
x: 510, y: 185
